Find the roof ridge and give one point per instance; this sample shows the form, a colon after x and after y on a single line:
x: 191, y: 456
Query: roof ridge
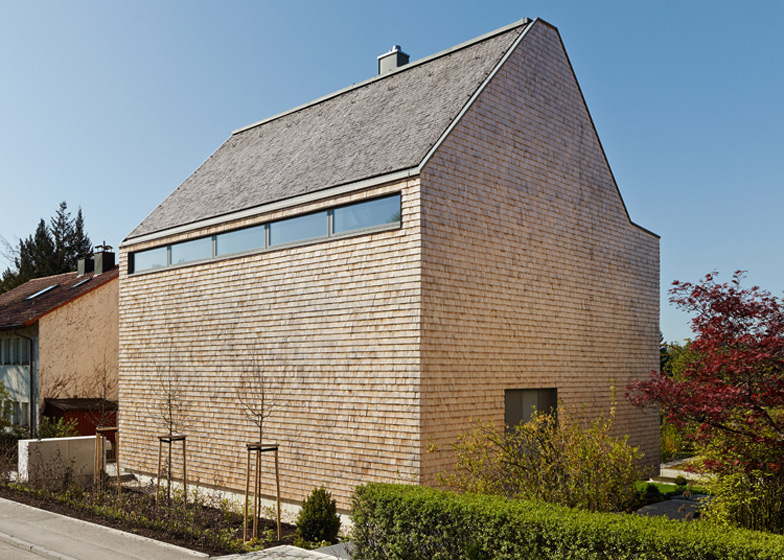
x: 471, y: 42
x: 351, y: 139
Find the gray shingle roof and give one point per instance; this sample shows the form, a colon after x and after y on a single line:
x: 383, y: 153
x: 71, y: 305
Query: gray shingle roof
x: 380, y: 126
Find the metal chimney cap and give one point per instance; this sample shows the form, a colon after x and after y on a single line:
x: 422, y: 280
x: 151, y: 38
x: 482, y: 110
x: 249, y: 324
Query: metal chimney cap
x: 394, y: 50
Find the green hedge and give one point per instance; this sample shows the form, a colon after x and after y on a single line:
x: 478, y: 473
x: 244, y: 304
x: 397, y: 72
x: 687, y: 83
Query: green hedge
x: 413, y: 523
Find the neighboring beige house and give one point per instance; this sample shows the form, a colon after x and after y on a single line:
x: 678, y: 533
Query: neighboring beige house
x: 68, y: 324
x: 439, y: 243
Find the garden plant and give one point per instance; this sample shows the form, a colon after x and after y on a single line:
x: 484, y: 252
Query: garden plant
x: 728, y: 395
x: 566, y: 460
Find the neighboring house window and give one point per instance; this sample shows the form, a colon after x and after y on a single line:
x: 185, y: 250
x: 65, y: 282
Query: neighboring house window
x: 7, y: 351
x: 359, y: 217
x: 42, y: 292
x: 24, y: 354
x: 520, y: 404
x: 20, y: 413
x: 14, y: 351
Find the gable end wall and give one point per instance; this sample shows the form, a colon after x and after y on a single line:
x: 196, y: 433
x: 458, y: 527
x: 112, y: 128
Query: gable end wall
x: 79, y: 347
x: 532, y: 275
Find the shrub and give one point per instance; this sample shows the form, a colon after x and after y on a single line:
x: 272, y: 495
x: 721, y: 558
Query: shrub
x: 51, y: 428
x: 318, y: 519
x: 6, y: 409
x: 408, y: 522
x: 672, y: 442
x: 567, y: 461
x: 651, y: 493
x: 751, y: 500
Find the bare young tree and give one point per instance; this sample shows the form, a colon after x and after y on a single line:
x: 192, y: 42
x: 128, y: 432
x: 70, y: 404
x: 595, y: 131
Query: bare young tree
x: 256, y: 393
x: 258, y: 396
x: 170, y: 411
x: 103, y: 386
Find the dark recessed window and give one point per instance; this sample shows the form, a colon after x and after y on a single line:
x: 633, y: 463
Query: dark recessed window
x: 520, y: 404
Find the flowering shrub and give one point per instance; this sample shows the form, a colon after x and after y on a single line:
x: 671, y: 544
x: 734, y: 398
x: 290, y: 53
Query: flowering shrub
x: 567, y: 461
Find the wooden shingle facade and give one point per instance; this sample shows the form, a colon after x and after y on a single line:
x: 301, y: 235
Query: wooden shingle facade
x: 510, y: 265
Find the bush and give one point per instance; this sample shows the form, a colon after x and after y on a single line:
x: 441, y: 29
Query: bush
x: 751, y: 500
x: 318, y: 519
x: 672, y: 442
x: 51, y: 428
x: 651, y: 494
x: 568, y: 461
x: 408, y: 522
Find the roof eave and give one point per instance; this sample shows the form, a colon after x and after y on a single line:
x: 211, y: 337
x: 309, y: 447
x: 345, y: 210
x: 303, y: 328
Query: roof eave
x: 292, y: 202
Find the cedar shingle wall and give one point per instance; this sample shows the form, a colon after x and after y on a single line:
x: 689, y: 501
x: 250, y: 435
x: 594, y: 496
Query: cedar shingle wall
x: 335, y: 324
x: 532, y: 275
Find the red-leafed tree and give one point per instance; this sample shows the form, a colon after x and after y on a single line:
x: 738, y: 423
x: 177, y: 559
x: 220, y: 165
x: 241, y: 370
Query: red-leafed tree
x: 730, y: 391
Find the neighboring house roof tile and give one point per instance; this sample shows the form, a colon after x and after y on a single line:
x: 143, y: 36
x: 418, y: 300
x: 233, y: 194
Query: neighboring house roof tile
x: 17, y: 311
x: 80, y: 404
x: 386, y: 124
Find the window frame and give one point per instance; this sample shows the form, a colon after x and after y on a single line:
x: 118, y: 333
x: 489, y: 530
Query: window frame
x: 546, y: 395
x: 329, y: 236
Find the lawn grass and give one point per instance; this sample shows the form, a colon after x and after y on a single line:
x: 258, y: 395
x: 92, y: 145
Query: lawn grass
x: 670, y: 490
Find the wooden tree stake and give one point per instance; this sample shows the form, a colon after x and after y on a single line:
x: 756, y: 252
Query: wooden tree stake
x: 260, y: 448
x: 100, y: 457
x: 169, y: 440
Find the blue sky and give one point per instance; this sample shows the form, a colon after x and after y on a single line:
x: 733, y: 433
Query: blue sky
x: 111, y: 105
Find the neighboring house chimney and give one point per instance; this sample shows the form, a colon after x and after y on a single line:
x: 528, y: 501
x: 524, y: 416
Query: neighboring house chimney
x: 84, y: 265
x: 104, y: 258
x: 392, y: 60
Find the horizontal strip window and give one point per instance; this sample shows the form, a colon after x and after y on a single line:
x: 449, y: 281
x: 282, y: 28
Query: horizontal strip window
x: 189, y: 251
x: 240, y: 240
x: 299, y: 228
x: 338, y: 221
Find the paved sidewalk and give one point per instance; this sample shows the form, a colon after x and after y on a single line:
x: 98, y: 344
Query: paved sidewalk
x: 57, y: 537
x: 285, y: 552
x: 677, y: 507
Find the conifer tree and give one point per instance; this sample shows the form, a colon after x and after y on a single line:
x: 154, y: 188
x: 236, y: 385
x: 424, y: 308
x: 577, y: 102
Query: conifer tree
x: 52, y: 249
x: 81, y: 245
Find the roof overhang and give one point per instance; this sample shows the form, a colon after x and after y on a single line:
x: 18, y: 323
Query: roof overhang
x: 16, y: 326
x: 292, y: 202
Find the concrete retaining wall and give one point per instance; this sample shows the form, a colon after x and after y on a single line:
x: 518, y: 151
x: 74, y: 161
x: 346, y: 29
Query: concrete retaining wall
x: 52, y: 458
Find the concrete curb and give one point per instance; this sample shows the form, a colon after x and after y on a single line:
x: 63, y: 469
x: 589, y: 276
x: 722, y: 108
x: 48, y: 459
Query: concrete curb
x: 35, y: 549
x: 19, y: 543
